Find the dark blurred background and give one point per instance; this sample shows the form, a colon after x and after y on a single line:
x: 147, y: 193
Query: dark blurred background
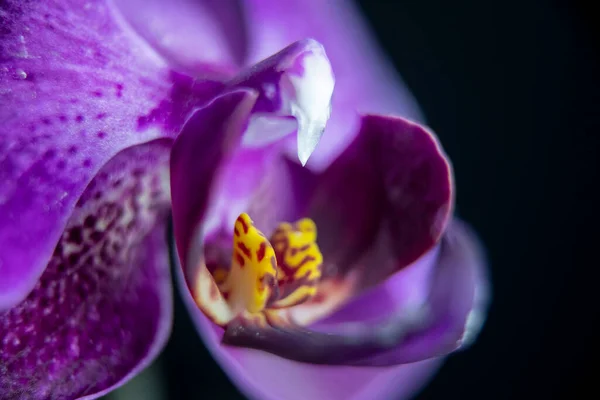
x: 511, y: 88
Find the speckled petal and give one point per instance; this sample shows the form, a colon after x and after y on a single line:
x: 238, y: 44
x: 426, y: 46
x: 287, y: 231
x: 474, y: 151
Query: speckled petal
x: 263, y: 376
x: 101, y: 311
x: 365, y: 81
x: 76, y: 87
x: 394, y: 333
x: 190, y: 33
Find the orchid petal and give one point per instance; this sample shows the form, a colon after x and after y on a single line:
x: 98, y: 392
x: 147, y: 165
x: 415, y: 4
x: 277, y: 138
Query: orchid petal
x: 214, y: 132
x: 262, y: 376
x: 102, y: 309
x: 76, y: 87
x: 403, y: 335
x: 380, y: 206
x: 283, y: 107
x: 190, y: 33
x: 456, y: 298
x: 365, y: 80
x: 390, y: 192
x: 397, y: 168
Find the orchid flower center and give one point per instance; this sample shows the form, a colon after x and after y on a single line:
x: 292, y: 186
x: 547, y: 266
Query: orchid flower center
x: 274, y: 274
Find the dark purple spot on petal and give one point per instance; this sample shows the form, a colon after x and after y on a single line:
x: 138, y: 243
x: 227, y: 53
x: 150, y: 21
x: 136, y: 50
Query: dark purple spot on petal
x: 96, y: 236
x: 79, y: 118
x: 101, y: 115
x: 97, y: 93
x: 75, y: 235
x: 49, y: 154
x: 89, y: 221
x: 73, y: 258
x: 101, y: 134
x: 138, y: 172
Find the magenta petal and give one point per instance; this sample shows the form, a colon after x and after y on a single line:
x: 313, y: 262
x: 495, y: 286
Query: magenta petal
x: 388, y: 194
x: 288, y: 87
x: 198, y: 155
x: 75, y: 89
x: 365, y: 80
x: 263, y: 376
x: 391, y: 333
x: 101, y: 311
x: 453, y: 310
x: 190, y: 33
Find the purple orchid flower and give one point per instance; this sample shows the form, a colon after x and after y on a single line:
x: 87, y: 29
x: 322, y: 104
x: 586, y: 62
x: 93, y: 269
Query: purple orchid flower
x: 343, y: 278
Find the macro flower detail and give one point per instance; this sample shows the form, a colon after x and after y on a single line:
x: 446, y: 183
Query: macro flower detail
x: 315, y: 241
x: 389, y: 279
x: 265, y: 275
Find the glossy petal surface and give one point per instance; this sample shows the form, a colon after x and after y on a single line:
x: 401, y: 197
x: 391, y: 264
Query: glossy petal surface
x: 286, y: 94
x: 76, y: 87
x: 389, y: 194
x: 101, y: 310
x: 262, y: 376
x: 193, y: 35
x: 396, y: 169
x: 403, y: 335
x: 396, y: 331
x: 213, y: 132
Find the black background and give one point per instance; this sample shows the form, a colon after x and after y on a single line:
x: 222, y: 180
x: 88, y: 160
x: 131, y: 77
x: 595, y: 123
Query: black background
x: 510, y: 89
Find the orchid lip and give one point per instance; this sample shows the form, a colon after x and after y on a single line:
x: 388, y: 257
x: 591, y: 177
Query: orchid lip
x: 267, y: 275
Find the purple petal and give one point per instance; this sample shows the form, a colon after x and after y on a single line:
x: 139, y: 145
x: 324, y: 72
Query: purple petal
x: 76, y: 87
x: 396, y: 169
x: 384, y: 202
x: 454, y: 298
x: 284, y: 84
x: 101, y: 310
x: 213, y: 132
x: 365, y: 80
x: 190, y: 33
x: 396, y: 331
x: 262, y: 376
